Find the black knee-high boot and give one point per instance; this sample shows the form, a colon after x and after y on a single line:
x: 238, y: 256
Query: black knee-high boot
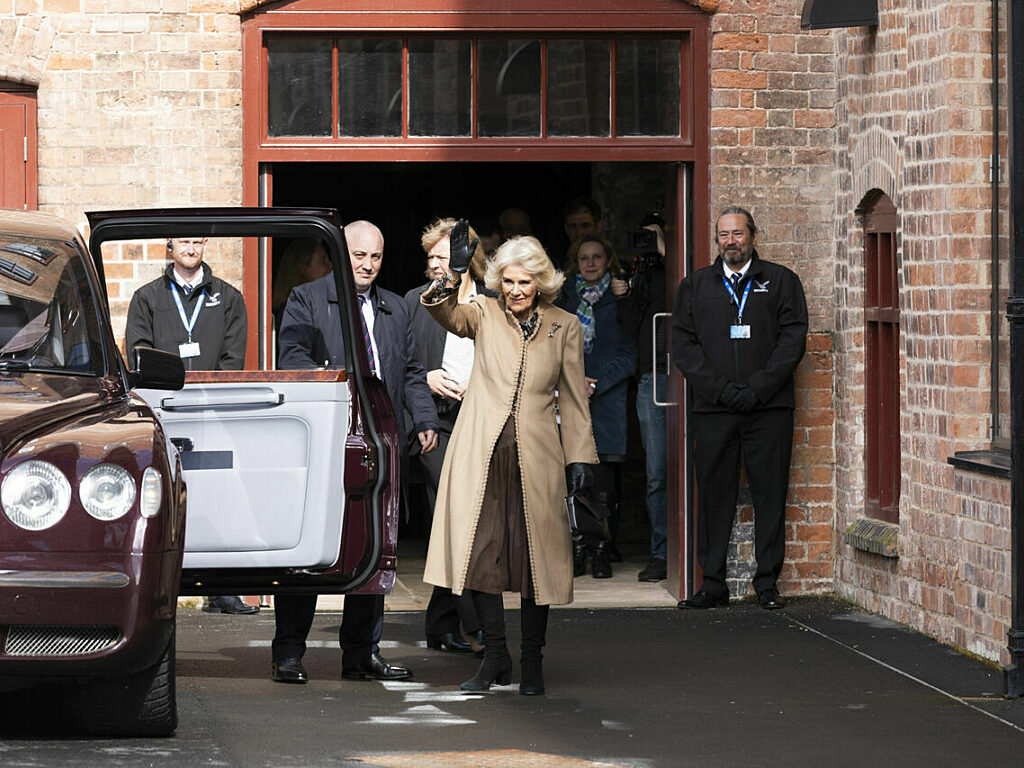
x: 497, y: 664
x: 534, y: 626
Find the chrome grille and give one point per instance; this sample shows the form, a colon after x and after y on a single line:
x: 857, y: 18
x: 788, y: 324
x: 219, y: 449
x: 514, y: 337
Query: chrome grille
x: 59, y: 641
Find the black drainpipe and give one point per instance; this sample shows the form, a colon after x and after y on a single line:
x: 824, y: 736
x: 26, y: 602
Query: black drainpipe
x: 1013, y: 675
x: 995, y: 167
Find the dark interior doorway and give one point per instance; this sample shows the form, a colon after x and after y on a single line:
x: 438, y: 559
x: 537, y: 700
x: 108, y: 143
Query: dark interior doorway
x: 403, y: 197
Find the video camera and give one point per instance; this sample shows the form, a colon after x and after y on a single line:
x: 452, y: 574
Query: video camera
x: 643, y: 249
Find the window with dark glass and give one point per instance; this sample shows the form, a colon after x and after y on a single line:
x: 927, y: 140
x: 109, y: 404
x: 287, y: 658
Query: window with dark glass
x: 647, y: 76
x: 370, y: 87
x: 509, y: 83
x: 579, y: 87
x: 881, y: 363
x: 486, y: 87
x: 299, y: 86
x: 440, y: 87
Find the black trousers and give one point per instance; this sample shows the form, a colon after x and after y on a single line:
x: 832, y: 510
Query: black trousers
x: 445, y: 610
x: 764, y: 440
x: 361, y: 624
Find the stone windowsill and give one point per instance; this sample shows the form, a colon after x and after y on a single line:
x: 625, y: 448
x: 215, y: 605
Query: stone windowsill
x: 995, y: 463
x: 875, y: 536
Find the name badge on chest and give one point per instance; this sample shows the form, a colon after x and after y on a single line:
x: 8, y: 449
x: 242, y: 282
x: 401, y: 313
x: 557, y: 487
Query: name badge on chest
x: 191, y: 349
x: 739, y: 331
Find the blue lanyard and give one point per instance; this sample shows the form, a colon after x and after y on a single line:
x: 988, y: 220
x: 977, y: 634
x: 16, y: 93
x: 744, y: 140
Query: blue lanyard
x: 740, y: 304
x: 189, y: 323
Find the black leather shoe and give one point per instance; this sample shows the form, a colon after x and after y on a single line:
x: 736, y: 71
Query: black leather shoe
x: 476, y: 643
x: 449, y: 641
x: 230, y: 604
x: 288, y: 671
x: 769, y: 599
x: 376, y: 668
x: 703, y: 600
x: 656, y: 570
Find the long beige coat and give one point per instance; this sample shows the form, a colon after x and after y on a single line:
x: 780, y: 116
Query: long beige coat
x: 551, y: 359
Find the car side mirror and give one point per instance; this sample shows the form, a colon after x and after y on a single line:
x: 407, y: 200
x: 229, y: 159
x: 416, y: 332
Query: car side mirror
x: 155, y: 369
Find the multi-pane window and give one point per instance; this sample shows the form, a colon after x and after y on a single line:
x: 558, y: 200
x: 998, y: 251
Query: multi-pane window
x: 486, y: 87
x: 881, y: 363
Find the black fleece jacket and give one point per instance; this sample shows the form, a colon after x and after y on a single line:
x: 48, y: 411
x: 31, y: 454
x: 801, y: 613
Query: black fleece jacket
x: 702, y: 349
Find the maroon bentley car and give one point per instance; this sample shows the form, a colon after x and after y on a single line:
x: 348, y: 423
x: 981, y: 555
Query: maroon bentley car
x: 291, y: 476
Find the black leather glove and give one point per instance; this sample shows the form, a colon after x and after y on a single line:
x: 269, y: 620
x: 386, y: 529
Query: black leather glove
x: 746, y: 400
x: 462, y: 249
x: 738, y: 398
x: 579, y: 478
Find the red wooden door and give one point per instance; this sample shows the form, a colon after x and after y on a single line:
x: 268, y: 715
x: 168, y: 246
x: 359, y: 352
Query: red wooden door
x: 17, y: 150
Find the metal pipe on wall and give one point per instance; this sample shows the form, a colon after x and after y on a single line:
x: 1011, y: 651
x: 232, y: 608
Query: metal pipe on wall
x: 1013, y: 675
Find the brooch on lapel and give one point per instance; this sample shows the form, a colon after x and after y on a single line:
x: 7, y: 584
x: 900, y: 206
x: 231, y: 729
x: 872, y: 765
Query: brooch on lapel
x: 554, y: 327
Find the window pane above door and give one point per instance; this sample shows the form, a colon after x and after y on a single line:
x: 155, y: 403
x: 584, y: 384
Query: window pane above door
x: 370, y: 87
x: 299, y: 99
x: 579, y: 87
x: 509, y: 87
x: 647, y: 77
x: 440, y: 87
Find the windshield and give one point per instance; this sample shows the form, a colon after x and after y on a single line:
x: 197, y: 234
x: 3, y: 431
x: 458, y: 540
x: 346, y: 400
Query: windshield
x: 47, y: 310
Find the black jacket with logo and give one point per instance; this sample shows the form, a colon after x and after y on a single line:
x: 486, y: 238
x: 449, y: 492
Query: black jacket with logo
x: 220, y: 329
x: 702, y: 349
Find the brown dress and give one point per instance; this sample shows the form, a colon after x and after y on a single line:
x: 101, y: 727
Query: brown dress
x: 500, y: 560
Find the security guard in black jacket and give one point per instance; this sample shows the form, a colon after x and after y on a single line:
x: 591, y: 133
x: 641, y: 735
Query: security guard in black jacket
x: 739, y: 329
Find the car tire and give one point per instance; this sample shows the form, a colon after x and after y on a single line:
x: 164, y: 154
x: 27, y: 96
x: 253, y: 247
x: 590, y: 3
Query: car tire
x: 142, y: 704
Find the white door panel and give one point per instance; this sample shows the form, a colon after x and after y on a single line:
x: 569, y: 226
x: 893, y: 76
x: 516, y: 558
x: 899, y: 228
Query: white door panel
x: 265, y: 473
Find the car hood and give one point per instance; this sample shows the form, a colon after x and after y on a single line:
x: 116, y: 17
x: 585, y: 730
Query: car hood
x: 30, y: 401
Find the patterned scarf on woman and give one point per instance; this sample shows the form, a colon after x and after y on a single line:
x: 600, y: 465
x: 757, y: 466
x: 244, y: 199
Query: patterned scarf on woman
x: 589, y: 296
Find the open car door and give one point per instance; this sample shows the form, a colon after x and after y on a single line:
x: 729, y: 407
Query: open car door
x: 292, y: 476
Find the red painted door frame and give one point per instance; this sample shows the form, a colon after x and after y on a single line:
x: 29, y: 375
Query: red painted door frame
x: 505, y: 17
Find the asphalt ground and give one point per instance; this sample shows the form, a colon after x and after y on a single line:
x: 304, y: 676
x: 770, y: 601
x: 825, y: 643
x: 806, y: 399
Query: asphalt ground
x: 819, y: 683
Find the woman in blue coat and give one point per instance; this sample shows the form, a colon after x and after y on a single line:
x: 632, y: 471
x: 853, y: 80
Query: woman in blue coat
x: 609, y: 356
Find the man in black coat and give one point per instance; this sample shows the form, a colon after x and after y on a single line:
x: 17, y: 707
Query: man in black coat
x: 194, y: 314
x: 311, y: 336
x: 739, y: 329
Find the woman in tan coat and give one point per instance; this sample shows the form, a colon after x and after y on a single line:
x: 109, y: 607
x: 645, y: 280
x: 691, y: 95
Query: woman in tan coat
x: 500, y: 523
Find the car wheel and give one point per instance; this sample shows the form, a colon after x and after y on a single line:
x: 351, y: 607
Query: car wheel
x: 143, y: 704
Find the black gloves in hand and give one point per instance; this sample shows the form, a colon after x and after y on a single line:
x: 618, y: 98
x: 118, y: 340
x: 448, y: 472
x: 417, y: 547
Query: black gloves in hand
x: 462, y: 249
x: 738, y: 398
x: 579, y: 478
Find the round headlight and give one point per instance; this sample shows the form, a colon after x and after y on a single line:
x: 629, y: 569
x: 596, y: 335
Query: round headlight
x: 107, y: 491
x: 35, y: 495
x: 152, y: 492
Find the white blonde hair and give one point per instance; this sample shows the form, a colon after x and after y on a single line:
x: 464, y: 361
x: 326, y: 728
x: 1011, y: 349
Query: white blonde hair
x: 529, y: 255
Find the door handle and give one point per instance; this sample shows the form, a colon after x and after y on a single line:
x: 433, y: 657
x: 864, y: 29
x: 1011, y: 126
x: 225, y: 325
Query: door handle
x: 184, y: 402
x: 663, y: 317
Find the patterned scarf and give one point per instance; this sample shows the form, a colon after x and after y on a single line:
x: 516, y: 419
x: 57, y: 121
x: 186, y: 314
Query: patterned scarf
x: 589, y: 296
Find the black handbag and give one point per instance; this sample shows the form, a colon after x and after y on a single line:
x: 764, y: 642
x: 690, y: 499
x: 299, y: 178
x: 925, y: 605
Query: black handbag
x: 587, y: 518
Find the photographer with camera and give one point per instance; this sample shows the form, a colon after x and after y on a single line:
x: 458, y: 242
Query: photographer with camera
x: 642, y: 294
x: 609, y: 357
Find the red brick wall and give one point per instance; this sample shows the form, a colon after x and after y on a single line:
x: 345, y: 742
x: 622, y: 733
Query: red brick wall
x: 772, y: 139
x: 914, y: 121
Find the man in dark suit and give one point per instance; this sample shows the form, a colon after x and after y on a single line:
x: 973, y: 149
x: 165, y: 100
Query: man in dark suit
x: 311, y: 336
x: 449, y: 362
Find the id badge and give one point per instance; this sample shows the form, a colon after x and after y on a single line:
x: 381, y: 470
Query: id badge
x: 188, y: 350
x: 739, y: 331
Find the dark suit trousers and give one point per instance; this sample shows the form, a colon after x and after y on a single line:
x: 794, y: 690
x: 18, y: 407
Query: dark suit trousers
x: 764, y: 440
x: 361, y: 625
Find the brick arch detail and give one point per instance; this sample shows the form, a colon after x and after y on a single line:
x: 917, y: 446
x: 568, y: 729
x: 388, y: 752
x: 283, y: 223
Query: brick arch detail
x: 877, y: 164
x: 25, y: 46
